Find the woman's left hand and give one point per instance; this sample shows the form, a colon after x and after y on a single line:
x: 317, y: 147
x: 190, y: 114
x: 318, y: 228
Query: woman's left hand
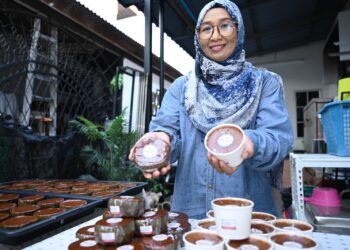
x: 222, y: 167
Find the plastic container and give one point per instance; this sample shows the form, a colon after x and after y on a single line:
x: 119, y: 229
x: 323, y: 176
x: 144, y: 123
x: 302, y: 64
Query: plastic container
x: 344, y: 89
x: 324, y: 197
x: 335, y: 118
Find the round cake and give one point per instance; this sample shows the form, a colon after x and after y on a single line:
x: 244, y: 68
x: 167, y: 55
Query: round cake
x: 73, y: 203
x: 6, y: 207
x: 86, y: 232
x: 4, y: 216
x: 151, y: 153
x: 177, y: 216
x: 30, y: 200
x: 24, y: 210
x: 8, y: 197
x: 18, y: 221
x: 47, y: 212
x: 51, y: 202
x: 85, y: 244
x: 126, y: 206
x: 160, y: 242
x: 152, y: 222
x: 114, y: 231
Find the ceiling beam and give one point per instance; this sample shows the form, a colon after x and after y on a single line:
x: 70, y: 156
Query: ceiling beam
x: 283, y: 27
x: 286, y: 46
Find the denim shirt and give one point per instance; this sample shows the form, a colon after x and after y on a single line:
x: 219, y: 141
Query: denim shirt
x: 196, y: 181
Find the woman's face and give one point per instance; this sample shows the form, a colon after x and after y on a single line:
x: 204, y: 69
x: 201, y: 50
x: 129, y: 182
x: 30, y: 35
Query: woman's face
x: 218, y: 47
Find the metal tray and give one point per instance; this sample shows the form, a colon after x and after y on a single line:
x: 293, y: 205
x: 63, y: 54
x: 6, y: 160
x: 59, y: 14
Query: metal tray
x: 128, y: 191
x: 329, y: 220
x: 18, y: 236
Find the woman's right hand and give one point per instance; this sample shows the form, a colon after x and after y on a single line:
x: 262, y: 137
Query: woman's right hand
x: 163, y: 170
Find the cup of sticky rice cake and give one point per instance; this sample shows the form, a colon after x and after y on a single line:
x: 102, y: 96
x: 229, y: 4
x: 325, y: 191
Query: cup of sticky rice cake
x: 233, y: 217
x: 225, y: 142
x: 151, y: 153
x: 203, y: 240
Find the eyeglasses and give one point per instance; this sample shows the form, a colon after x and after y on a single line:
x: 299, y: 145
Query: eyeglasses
x: 225, y: 28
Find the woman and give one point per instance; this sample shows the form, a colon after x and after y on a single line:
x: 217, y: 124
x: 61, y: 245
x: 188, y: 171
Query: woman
x: 223, y: 88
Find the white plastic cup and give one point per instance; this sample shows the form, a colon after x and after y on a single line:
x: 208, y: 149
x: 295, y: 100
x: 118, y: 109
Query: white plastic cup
x: 203, y: 240
x: 232, y: 158
x: 292, y: 241
x: 292, y: 226
x: 207, y: 224
x: 210, y: 214
x: 262, y: 217
x: 233, y: 217
x: 253, y: 242
x: 262, y: 229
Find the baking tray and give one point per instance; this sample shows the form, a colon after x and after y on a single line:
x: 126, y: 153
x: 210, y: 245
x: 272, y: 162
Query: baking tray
x: 18, y: 236
x: 328, y: 219
x: 127, y: 191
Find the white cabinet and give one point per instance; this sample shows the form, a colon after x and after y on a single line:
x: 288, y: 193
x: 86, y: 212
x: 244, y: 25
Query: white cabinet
x: 300, y: 161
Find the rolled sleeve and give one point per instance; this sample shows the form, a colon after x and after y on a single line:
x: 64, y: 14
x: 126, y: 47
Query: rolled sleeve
x: 273, y: 133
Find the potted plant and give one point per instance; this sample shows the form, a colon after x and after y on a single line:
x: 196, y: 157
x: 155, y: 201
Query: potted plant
x: 108, y: 147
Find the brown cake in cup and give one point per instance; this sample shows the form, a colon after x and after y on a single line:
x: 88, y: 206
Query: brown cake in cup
x: 151, y: 153
x: 85, y: 244
x: 226, y: 142
x: 86, y: 232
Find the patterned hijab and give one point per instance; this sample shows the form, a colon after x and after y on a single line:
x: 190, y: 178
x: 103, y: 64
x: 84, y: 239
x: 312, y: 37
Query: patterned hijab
x: 222, y: 92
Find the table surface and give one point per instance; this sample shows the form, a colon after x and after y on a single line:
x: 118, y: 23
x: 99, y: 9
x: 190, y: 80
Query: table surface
x: 62, y: 240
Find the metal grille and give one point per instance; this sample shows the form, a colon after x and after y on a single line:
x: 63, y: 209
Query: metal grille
x: 49, y: 75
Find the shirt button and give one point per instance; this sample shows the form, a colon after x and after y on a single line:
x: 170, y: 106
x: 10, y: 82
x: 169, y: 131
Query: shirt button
x: 210, y: 186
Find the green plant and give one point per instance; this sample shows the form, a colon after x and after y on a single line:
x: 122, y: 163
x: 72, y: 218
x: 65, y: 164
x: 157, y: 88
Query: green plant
x: 158, y: 185
x: 108, y: 147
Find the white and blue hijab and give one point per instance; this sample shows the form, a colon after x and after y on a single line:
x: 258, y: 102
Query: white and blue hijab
x: 222, y: 92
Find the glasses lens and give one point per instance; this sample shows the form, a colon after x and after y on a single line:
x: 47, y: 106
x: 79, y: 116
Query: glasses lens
x: 205, y: 31
x: 226, y: 28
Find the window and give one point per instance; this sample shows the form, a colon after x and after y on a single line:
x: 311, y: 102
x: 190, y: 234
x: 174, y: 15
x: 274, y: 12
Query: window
x: 303, y: 98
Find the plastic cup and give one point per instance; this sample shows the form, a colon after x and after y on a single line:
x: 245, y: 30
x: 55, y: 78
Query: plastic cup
x: 229, y: 139
x: 292, y: 226
x: 203, y: 240
x: 263, y: 217
x: 262, y: 229
x: 207, y: 224
x: 233, y: 217
x: 291, y: 241
x: 251, y: 243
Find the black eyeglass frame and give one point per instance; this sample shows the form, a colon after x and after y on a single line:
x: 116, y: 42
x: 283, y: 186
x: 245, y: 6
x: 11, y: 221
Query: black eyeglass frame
x: 216, y: 26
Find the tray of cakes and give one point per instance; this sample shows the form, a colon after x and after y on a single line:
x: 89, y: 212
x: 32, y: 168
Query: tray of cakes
x: 25, y: 215
x: 127, y: 224
x: 101, y: 190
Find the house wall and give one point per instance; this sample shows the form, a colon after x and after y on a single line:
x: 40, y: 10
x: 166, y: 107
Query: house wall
x: 302, y: 68
x: 127, y: 82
